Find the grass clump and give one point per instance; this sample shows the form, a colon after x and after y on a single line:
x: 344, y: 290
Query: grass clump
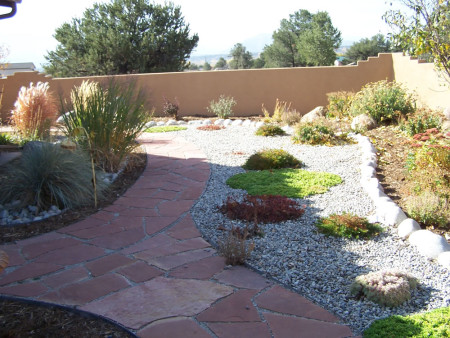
x: 235, y: 248
x: 263, y: 209
x: 34, y: 112
x: 348, y: 225
x: 387, y: 288
x: 270, y: 130
x: 271, y: 159
x: 164, y: 129
x: 430, y: 324
x: 386, y: 102
x: 223, y: 107
x: 293, y: 183
x: 110, y: 119
x: 49, y: 175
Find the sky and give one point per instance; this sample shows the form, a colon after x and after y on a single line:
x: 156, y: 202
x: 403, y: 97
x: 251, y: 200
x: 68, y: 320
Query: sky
x: 28, y: 36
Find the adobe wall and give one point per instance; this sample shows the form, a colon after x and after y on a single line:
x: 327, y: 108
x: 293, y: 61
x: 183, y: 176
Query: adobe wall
x: 432, y: 88
x: 305, y: 88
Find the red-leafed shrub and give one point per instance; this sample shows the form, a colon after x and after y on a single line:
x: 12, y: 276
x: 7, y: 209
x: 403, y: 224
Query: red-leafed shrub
x: 262, y: 209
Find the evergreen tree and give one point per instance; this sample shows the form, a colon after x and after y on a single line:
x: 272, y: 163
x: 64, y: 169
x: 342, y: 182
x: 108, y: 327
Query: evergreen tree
x: 122, y: 37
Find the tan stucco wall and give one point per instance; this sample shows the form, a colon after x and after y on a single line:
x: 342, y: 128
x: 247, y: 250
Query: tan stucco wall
x: 305, y: 88
x: 432, y: 88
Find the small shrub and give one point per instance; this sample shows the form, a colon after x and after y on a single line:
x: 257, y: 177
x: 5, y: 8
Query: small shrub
x: 339, y: 104
x: 271, y: 159
x: 293, y: 183
x: 387, y: 102
x: 270, y: 130
x: 262, y: 209
x: 430, y: 324
x: 6, y: 139
x: 111, y: 118
x: 420, y: 123
x: 235, y: 249
x: 171, y: 108
x: 210, y: 127
x: 291, y: 117
x: 49, y: 175
x: 429, y: 209
x: 319, y: 133
x: 34, y: 112
x: 386, y: 288
x: 223, y: 108
x: 348, y: 225
x: 164, y: 129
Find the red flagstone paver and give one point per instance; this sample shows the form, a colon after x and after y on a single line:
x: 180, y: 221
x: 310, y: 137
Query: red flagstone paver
x: 234, y: 330
x: 174, y: 327
x: 24, y: 290
x: 87, y: 291
x: 241, y: 277
x: 283, y: 326
x: 31, y: 270
x: 143, y: 263
x: 140, y: 272
x: 106, y: 264
x: 65, y: 277
x: 157, y: 299
x: 202, y: 269
x: 237, y: 307
x: 279, y: 299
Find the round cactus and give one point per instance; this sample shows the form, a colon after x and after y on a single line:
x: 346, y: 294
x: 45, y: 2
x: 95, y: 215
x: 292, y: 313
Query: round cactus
x: 389, y: 288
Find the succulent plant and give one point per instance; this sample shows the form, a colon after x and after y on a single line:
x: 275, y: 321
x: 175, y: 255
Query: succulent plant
x: 388, y: 288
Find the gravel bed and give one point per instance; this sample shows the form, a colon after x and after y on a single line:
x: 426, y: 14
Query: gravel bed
x: 293, y: 253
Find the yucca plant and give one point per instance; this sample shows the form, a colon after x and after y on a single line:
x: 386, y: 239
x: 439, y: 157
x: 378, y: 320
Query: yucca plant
x: 49, y: 175
x: 34, y: 112
x: 112, y: 118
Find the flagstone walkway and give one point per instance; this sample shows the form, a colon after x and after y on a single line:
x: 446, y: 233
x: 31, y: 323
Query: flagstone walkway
x: 142, y: 263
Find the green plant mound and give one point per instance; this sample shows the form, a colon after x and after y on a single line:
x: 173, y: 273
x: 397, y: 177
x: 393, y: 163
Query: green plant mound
x: 386, y: 102
x: 264, y: 209
x: 348, y: 225
x: 431, y: 324
x: 272, y: 159
x: 386, y: 288
x: 318, y: 133
x: 270, y: 130
x: 293, y: 183
x: 49, y: 175
x: 164, y: 129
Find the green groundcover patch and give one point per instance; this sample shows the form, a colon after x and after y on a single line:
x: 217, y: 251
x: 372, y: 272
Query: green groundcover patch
x: 164, y: 129
x: 293, y: 183
x: 431, y: 324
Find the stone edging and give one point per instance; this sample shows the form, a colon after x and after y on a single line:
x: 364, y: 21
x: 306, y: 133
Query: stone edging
x: 387, y: 212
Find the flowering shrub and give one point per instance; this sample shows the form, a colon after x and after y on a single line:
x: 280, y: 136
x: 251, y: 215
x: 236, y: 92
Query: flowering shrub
x: 339, y: 103
x: 387, y: 288
x: 34, y: 112
x: 420, y: 123
x: 386, y: 102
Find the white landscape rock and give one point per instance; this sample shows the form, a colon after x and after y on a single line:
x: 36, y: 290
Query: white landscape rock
x: 237, y: 123
x: 207, y: 122
x: 259, y: 124
x: 428, y: 243
x: 160, y: 123
x: 363, y: 122
x: 181, y: 123
x: 447, y: 113
x: 171, y: 123
x: 150, y: 124
x: 247, y: 123
x: 393, y: 214
x: 407, y: 227
x: 444, y: 259
x: 227, y: 122
x: 219, y: 122
x: 314, y: 114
